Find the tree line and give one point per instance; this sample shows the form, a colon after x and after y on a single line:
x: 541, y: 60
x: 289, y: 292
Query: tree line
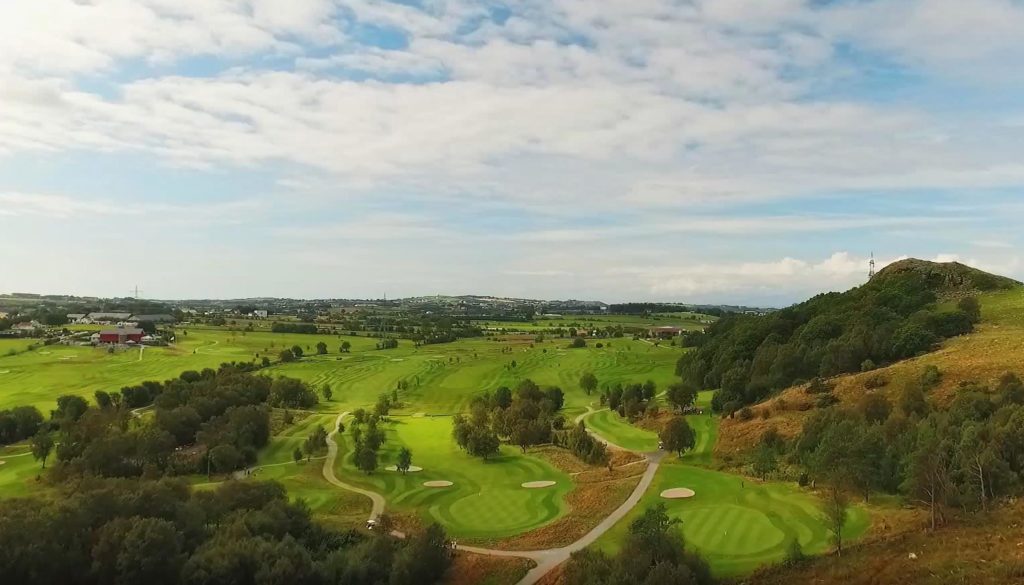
x: 966, y: 456
x: 130, y: 532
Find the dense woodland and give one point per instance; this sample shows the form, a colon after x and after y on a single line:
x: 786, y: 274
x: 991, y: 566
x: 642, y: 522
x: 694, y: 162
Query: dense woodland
x: 892, y: 317
x: 133, y: 532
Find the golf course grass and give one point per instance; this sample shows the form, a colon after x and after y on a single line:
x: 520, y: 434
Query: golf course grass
x: 18, y: 470
x: 486, y: 499
x: 619, y: 431
x: 738, y: 524
x: 442, y: 378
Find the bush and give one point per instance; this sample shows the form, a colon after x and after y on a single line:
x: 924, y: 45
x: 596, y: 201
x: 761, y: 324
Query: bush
x: 930, y: 377
x: 867, y: 365
x: 819, y: 386
x: 794, y: 554
x: 746, y: 414
x: 826, y: 400
x: 876, y: 381
x: 578, y: 342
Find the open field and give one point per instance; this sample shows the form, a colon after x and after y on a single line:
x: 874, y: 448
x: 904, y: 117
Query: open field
x: 486, y: 499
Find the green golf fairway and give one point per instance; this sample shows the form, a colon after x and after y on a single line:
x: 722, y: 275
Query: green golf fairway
x: 18, y: 469
x: 618, y: 430
x: 486, y: 499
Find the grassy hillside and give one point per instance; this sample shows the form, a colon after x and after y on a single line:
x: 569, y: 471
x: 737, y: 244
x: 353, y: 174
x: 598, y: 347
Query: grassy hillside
x: 995, y: 347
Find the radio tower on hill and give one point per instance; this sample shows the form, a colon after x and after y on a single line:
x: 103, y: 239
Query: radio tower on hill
x: 871, y: 267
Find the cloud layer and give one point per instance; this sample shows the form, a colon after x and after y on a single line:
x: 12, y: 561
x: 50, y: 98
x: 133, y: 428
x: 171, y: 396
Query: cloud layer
x: 752, y: 139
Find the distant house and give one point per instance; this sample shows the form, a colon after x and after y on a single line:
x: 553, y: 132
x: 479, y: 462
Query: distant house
x: 121, y: 335
x: 75, y: 317
x: 261, y: 313
x: 27, y: 326
x: 665, y: 331
x: 159, y: 318
x: 107, y: 317
x: 4, y: 315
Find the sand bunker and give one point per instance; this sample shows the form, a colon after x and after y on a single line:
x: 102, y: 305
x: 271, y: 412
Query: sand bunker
x: 412, y: 468
x: 678, y: 493
x: 398, y: 359
x: 532, y: 485
x: 437, y: 484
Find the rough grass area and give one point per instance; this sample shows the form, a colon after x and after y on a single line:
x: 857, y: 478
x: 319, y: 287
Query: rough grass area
x: 982, y: 549
x: 470, y: 569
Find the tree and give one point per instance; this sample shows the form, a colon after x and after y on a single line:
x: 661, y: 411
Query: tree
x: 911, y: 400
x: 327, y: 392
x: 682, y: 396
x: 971, y: 307
x: 297, y: 454
x: 928, y: 468
x: 286, y: 356
x: 346, y: 347
x: 836, y: 508
x: 404, y: 460
x: 103, y: 399
x: 578, y: 342
x: 297, y: 352
x: 366, y: 459
x: 321, y: 348
x: 677, y: 436
x: 588, y: 382
x: 316, y: 442
x: 69, y: 408
x: 503, y: 397
x: 765, y: 461
x: 874, y: 407
x: 139, y: 550
x: 224, y: 458
x: 42, y: 446
x: 383, y: 406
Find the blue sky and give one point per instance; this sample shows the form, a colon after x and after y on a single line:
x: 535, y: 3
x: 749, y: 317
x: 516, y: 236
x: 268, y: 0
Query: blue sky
x: 694, y: 151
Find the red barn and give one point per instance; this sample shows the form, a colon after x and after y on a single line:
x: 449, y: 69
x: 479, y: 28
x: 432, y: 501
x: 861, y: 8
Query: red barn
x: 123, y: 335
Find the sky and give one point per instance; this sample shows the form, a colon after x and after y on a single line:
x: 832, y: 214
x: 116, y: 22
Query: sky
x: 703, y: 151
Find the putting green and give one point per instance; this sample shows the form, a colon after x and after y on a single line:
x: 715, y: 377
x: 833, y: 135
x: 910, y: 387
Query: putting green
x: 486, y: 499
x: 735, y: 523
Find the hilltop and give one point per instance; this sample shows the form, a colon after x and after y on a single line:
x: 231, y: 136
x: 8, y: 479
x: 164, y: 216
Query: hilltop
x: 947, y: 279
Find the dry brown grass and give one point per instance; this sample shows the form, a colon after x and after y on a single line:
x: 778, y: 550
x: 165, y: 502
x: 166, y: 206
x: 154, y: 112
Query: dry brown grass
x: 597, y: 493
x: 983, y: 356
x: 470, y: 569
x: 984, y: 549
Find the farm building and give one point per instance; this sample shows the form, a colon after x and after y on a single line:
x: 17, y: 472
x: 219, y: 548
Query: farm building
x: 161, y: 318
x: 260, y: 313
x: 121, y: 335
x: 665, y: 331
x: 75, y: 317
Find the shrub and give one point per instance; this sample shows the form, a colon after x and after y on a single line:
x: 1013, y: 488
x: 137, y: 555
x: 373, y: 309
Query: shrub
x: 876, y: 381
x: 819, y: 386
x: 746, y: 414
x: 826, y: 400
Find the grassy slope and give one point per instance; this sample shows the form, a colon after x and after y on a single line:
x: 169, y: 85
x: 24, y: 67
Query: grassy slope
x: 995, y: 347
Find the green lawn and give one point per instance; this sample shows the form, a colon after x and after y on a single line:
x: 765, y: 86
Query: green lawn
x: 738, y: 524
x: 486, y: 500
x: 18, y: 470
x: 618, y: 430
